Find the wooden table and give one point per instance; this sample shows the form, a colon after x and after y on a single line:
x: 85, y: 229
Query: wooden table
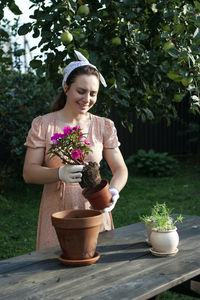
x: 125, y: 270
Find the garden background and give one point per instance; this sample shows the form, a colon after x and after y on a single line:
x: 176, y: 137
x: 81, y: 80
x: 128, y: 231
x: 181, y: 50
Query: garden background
x: 148, y: 53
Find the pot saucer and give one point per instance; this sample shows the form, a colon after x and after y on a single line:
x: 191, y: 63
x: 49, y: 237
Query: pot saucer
x: 164, y: 253
x: 79, y: 262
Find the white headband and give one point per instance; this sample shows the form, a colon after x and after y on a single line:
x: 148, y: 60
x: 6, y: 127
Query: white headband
x: 76, y: 64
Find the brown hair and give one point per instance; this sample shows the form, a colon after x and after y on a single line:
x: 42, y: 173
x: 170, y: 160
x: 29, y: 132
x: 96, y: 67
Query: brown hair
x: 61, y: 99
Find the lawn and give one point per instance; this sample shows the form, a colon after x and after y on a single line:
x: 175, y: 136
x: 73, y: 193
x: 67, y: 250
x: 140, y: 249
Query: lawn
x: 18, y: 218
x: 180, y: 192
x: 20, y: 206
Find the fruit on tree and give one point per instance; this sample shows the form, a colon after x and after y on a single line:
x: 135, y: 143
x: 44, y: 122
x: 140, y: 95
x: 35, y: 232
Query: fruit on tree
x: 66, y: 37
x: 166, y: 28
x: 186, y: 81
x: 178, y: 97
x: 168, y: 45
x: 83, y: 10
x: 116, y: 41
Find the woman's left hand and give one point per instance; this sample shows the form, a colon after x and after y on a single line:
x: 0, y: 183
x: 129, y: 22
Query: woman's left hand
x: 115, y: 197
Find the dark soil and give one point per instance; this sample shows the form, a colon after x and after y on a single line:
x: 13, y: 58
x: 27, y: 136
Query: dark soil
x: 90, y: 175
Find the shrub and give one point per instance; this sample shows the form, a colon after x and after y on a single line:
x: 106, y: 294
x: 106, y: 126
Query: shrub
x: 22, y: 98
x: 151, y: 163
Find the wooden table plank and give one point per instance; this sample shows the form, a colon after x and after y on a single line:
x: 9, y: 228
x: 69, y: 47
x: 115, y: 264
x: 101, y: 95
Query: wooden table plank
x: 125, y: 267
x: 124, y: 235
x: 65, y: 283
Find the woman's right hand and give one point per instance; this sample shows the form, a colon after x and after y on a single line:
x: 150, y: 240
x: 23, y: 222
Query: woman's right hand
x: 70, y: 173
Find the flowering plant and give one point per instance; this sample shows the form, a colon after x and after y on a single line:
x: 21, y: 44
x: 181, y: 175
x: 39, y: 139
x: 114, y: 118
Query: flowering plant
x: 71, y: 146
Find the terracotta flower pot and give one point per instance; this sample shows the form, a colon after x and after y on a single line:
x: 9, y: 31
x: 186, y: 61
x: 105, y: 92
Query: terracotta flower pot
x: 77, y: 232
x: 100, y: 196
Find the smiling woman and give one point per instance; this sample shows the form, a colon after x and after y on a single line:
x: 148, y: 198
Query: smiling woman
x: 61, y: 182
x: 81, y: 94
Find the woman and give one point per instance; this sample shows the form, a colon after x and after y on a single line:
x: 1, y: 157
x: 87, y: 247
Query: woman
x: 61, y: 183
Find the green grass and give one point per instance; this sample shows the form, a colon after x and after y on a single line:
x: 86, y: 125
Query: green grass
x: 174, y: 296
x: 18, y: 218
x: 20, y: 205
x: 180, y: 192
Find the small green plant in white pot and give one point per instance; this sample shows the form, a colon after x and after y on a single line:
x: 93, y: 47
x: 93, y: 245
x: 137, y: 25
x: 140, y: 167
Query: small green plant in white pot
x: 164, y: 237
x: 161, y: 230
x: 151, y: 220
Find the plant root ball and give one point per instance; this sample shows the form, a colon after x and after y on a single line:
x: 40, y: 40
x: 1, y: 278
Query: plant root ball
x: 90, y: 175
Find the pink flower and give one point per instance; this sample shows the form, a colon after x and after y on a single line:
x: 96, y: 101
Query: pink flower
x: 87, y: 142
x: 56, y: 136
x: 80, y: 135
x: 76, y: 128
x: 65, y: 145
x: 67, y: 130
x: 76, y: 154
x: 55, y: 142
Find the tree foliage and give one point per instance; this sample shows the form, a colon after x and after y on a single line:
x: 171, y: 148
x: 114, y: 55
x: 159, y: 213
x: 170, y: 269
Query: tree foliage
x: 10, y: 51
x: 22, y: 98
x: 148, y: 51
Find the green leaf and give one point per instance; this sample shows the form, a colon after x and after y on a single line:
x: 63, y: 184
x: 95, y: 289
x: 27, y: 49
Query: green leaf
x: 130, y: 127
x: 14, y: 8
x: 25, y: 28
x: 173, y: 52
x: 196, y: 34
x: 198, y: 20
x: 142, y: 36
x: 197, y: 4
x: 149, y: 113
x: 191, y: 57
x: 36, y: 32
x: 4, y: 33
x: 46, y: 34
x: 35, y: 63
x: 179, y: 28
x: 33, y: 48
x: 173, y: 75
x: 178, y: 97
x: 19, y: 52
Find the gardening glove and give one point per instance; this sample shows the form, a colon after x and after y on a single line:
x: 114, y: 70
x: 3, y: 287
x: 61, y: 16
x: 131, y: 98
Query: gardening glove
x: 70, y: 173
x: 115, y: 197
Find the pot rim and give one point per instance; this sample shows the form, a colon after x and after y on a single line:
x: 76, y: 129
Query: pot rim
x: 53, y: 215
x: 164, y: 231
x: 61, y: 219
x: 96, y: 189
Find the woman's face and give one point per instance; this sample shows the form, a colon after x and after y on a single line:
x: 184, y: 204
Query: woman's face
x: 82, y: 94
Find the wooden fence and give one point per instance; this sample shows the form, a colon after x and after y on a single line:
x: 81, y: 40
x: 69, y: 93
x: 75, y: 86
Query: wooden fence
x: 160, y: 137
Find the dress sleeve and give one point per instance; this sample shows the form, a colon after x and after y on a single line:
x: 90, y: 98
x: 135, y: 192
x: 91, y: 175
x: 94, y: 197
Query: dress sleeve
x: 110, y: 139
x: 37, y: 134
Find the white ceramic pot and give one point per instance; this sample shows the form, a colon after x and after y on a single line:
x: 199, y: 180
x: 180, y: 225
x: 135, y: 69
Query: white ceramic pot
x: 164, y: 241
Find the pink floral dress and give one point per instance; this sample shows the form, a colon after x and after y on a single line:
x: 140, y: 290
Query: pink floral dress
x: 62, y: 195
